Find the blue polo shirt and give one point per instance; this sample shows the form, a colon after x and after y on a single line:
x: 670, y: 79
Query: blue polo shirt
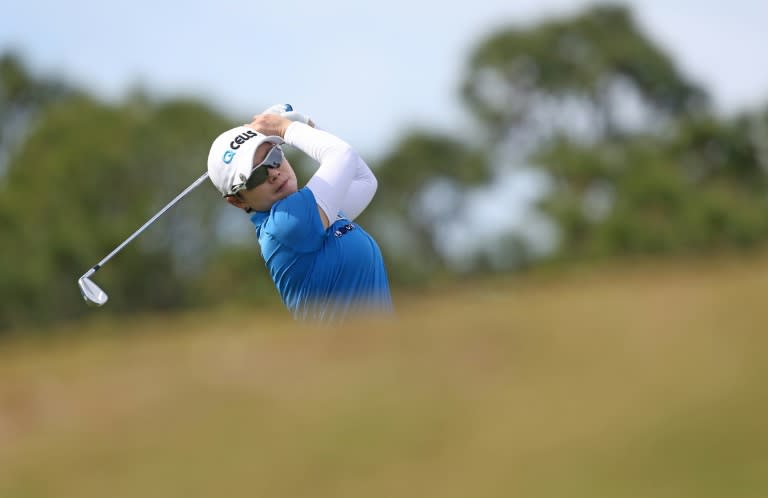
x: 321, y: 274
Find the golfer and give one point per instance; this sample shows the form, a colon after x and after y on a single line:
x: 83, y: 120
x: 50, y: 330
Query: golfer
x: 324, y: 265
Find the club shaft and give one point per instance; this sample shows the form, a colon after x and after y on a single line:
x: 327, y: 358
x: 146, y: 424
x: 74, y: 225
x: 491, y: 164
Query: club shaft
x: 149, y: 222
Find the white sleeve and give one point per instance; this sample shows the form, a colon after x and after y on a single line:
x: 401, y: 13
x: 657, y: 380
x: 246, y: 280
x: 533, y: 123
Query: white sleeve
x: 343, y: 182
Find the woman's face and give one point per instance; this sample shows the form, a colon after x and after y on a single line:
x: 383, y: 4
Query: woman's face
x: 280, y: 183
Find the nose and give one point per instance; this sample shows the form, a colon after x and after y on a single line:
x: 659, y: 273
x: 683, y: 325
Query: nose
x: 273, y: 174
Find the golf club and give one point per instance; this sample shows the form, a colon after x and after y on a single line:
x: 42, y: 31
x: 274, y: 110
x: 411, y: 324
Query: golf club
x: 91, y: 292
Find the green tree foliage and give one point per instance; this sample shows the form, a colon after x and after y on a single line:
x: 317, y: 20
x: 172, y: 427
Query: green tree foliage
x: 22, y: 96
x: 698, y: 190
x: 20, y: 91
x: 587, y: 63
x: 410, y: 211
x: 86, y: 177
x: 676, y: 179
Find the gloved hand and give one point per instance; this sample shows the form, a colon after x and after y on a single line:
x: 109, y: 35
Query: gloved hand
x: 286, y: 111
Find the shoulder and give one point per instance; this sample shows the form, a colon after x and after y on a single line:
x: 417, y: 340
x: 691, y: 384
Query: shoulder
x: 297, y: 206
x: 294, y: 220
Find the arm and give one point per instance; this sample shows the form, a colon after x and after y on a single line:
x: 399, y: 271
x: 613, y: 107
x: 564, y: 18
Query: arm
x: 343, y: 181
x: 363, y: 185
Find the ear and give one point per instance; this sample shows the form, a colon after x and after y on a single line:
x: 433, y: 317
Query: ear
x: 236, y: 201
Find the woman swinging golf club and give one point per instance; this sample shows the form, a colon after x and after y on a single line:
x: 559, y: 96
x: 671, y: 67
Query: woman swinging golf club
x: 325, y: 266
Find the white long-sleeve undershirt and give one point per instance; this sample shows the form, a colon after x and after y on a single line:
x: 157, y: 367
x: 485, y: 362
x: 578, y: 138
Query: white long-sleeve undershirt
x: 343, y: 183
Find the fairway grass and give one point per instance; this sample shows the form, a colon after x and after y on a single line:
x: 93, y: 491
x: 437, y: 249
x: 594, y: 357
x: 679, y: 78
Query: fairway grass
x: 636, y: 381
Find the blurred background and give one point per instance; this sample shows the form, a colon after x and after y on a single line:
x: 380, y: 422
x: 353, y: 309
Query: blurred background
x: 572, y: 207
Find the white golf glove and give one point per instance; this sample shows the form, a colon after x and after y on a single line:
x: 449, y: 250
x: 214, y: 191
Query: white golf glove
x: 286, y: 111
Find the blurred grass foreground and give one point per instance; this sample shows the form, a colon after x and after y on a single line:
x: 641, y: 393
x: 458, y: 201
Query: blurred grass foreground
x: 625, y: 382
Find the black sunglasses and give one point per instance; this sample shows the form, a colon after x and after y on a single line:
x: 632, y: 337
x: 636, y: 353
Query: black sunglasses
x: 260, y: 173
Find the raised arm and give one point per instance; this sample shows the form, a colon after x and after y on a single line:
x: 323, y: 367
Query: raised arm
x: 343, y: 185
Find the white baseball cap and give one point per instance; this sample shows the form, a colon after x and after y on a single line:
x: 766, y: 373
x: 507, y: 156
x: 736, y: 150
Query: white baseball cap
x: 230, y: 161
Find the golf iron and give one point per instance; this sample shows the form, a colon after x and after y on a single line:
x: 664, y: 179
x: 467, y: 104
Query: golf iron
x: 91, y: 292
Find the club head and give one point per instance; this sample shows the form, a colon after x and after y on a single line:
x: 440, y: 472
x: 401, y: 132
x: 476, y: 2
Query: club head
x: 91, y: 292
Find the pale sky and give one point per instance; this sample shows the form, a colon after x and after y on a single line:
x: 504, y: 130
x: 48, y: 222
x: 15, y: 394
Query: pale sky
x: 365, y: 70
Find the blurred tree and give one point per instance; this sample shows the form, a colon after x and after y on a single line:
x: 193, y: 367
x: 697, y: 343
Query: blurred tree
x: 701, y: 188
x: 22, y: 96
x: 592, y: 78
x: 594, y: 75
x: 422, y: 186
x: 638, y: 162
x: 86, y: 177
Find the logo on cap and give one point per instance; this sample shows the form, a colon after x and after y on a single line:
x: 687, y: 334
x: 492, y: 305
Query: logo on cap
x: 235, y: 144
x: 241, y: 138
